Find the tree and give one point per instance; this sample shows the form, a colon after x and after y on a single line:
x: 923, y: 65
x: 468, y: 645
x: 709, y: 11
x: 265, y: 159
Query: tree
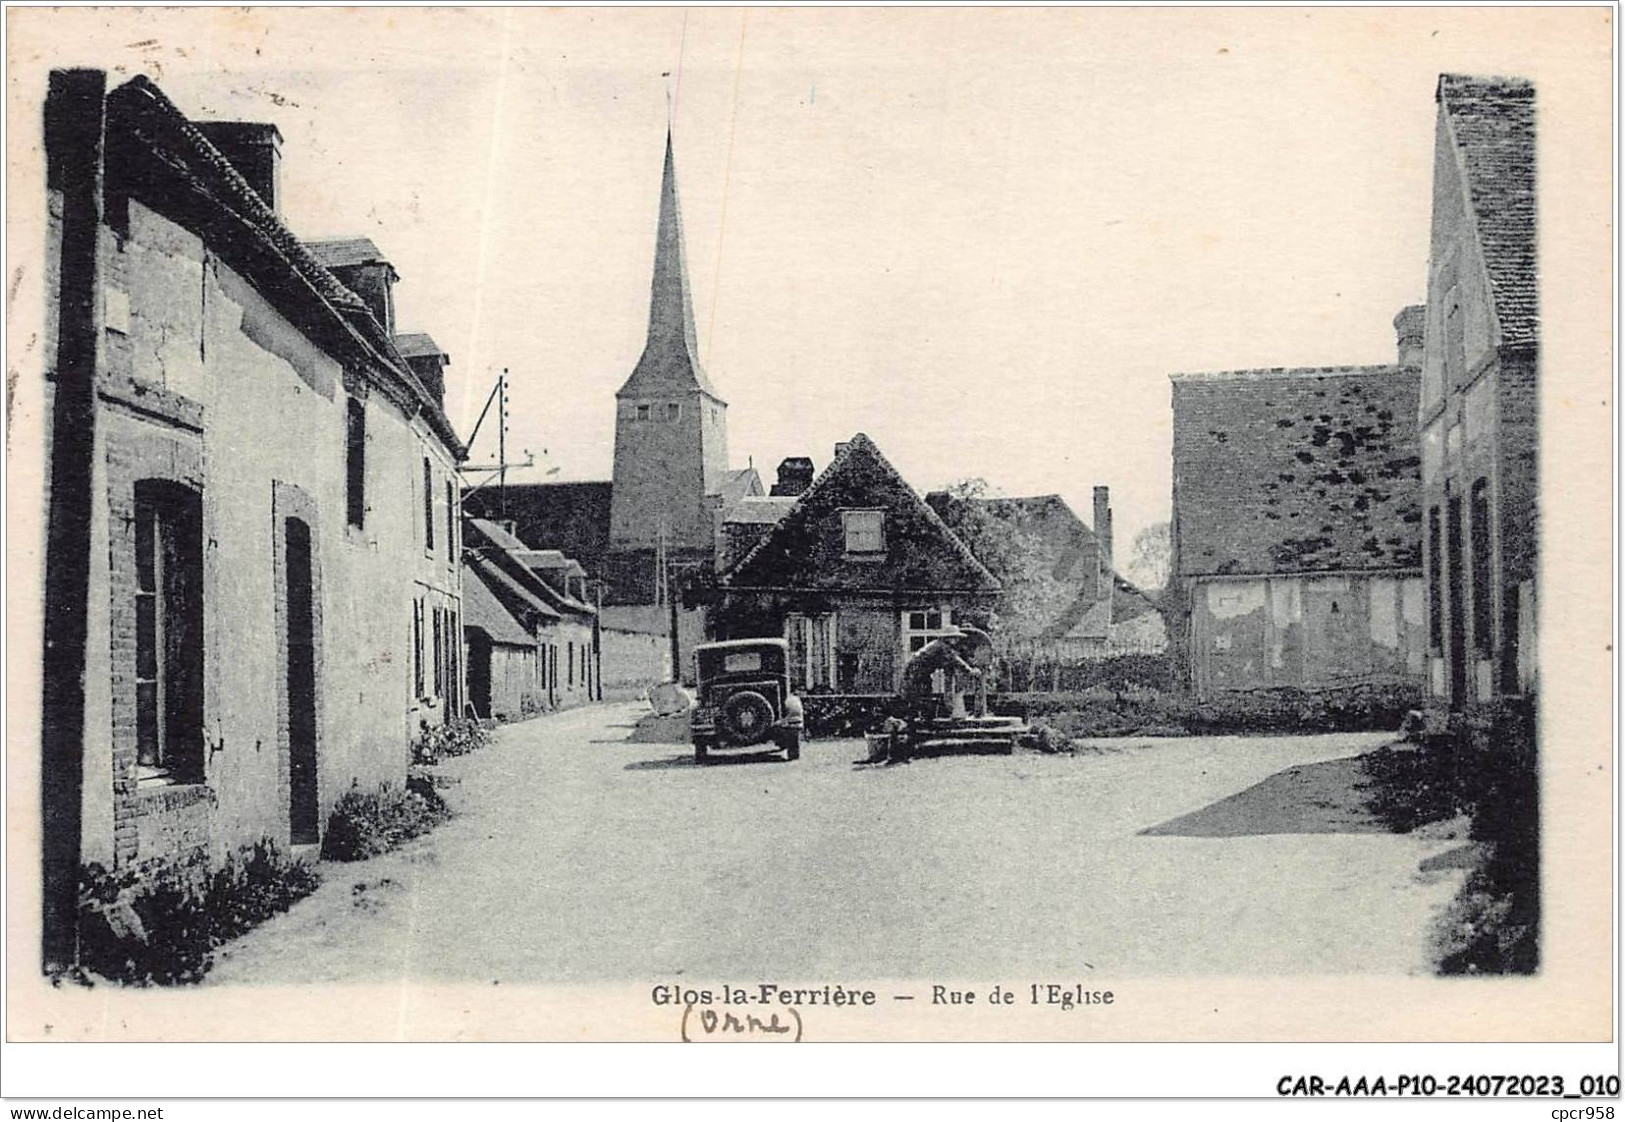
x: 1004, y: 539
x: 1151, y: 561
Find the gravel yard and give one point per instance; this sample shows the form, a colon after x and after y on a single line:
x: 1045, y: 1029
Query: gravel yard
x: 587, y: 849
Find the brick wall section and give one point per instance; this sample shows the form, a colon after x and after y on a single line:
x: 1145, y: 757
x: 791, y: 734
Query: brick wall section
x: 1519, y: 456
x: 1313, y: 470
x: 135, y: 449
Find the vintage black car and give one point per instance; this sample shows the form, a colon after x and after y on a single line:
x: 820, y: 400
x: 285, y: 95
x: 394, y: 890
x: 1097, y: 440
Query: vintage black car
x: 744, y: 698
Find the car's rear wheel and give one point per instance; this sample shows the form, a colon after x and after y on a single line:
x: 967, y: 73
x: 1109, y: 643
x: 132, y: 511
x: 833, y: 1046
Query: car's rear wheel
x: 790, y: 741
x: 745, y: 717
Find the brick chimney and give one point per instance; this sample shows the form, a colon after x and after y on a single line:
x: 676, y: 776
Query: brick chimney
x: 1409, y: 328
x: 795, y: 476
x: 1103, y: 546
x: 255, y: 150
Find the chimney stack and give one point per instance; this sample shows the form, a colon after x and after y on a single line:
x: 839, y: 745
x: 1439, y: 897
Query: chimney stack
x: 1103, y: 521
x: 255, y: 150
x: 795, y: 476
x: 1103, y: 547
x: 1409, y: 329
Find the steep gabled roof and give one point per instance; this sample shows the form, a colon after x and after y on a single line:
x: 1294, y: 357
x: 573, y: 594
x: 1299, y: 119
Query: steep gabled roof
x: 807, y: 550
x: 1069, y: 546
x: 484, y: 607
x: 739, y: 483
x: 1492, y: 122
x: 503, y: 552
x: 671, y: 355
x: 517, y: 597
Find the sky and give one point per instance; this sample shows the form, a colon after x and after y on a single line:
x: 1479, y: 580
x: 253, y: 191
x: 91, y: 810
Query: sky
x: 983, y: 237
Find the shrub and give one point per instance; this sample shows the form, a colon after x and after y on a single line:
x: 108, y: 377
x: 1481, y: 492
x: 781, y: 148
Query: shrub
x: 1134, y: 710
x: 255, y: 885
x: 1045, y: 738
x: 826, y: 716
x: 457, y: 737
x: 1493, y: 925
x: 160, y: 925
x: 366, y: 823
x: 1482, y: 765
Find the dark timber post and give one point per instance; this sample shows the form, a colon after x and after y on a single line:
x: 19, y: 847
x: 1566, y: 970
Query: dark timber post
x: 74, y: 134
x: 676, y: 646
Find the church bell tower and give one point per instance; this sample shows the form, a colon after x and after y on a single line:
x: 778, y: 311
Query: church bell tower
x: 671, y: 426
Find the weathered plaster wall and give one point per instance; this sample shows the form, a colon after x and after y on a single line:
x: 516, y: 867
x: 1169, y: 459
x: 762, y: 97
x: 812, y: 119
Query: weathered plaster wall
x: 633, y: 659
x: 197, y: 364
x: 1306, y: 631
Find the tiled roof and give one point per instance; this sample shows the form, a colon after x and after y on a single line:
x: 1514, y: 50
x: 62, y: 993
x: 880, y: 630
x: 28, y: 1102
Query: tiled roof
x: 1309, y: 470
x: 153, y: 148
x: 806, y: 549
x: 1280, y: 373
x: 570, y: 517
x: 550, y: 561
x: 417, y: 344
x: 1086, y: 617
x: 336, y: 253
x: 489, y: 542
x: 759, y: 510
x: 484, y: 609
x: 739, y: 484
x: 1492, y: 121
x: 498, y: 535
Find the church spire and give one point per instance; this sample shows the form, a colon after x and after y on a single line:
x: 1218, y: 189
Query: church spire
x: 670, y: 362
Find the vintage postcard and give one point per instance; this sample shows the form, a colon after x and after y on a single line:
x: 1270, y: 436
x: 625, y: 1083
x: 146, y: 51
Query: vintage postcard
x: 745, y: 524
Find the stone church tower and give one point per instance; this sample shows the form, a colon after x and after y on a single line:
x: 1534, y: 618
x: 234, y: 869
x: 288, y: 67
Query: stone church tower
x: 671, y: 426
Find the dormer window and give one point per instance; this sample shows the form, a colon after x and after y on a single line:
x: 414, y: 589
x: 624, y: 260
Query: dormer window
x: 865, y: 532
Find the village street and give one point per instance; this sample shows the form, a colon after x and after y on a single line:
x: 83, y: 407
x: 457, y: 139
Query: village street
x: 579, y: 854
